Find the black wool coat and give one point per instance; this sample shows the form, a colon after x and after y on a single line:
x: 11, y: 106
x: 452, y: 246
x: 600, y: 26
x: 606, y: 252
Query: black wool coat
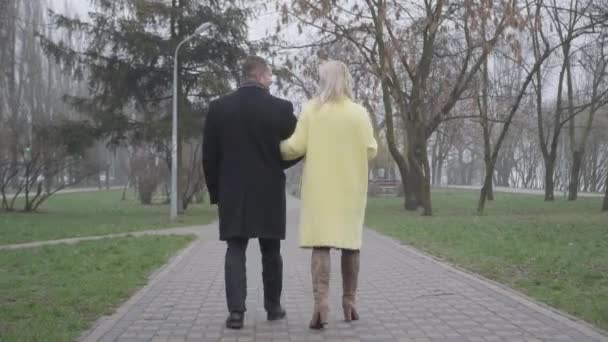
x: 242, y: 162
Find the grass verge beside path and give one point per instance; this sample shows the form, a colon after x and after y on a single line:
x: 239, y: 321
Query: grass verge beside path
x: 555, y: 252
x: 54, y: 293
x: 93, y: 213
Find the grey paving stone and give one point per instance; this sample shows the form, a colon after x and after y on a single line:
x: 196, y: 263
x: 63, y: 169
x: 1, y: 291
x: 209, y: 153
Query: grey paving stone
x: 403, y: 296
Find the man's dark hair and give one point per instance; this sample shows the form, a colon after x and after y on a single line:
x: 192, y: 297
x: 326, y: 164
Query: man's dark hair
x: 252, y: 66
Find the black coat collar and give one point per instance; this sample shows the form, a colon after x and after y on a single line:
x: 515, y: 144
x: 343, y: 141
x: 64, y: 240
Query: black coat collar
x: 252, y: 84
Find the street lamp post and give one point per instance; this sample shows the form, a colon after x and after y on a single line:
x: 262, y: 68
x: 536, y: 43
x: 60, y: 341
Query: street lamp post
x: 204, y: 28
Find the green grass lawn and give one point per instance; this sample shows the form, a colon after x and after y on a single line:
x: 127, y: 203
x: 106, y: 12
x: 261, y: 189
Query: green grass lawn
x: 93, y: 213
x: 54, y: 293
x: 555, y: 252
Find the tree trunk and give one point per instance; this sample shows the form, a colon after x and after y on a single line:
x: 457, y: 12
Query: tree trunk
x: 27, y: 187
x: 439, y: 171
x: 503, y: 174
x: 586, y: 176
x: 594, y: 168
x: 489, y: 170
x: 575, y: 174
x: 549, y: 180
x: 416, y: 181
x: 486, y: 188
x: 490, y: 191
x: 414, y: 162
x: 11, y: 77
x: 550, y: 153
x: 419, y: 178
x: 485, y: 124
x: 394, y: 149
x: 435, y: 161
x: 108, y: 177
x: 578, y: 151
x: 605, y: 207
x: 424, y: 192
x: 410, y: 183
x: 531, y: 175
x: 488, y: 177
x: 124, y: 192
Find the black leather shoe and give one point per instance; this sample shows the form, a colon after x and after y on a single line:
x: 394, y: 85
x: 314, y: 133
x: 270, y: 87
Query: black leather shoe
x: 276, y: 315
x: 235, y: 320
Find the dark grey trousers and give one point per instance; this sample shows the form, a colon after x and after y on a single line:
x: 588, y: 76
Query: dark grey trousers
x: 236, y: 274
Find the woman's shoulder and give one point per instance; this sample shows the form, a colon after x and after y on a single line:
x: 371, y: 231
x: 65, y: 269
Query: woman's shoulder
x: 357, y: 110
x: 356, y: 107
x: 310, y: 105
x: 346, y: 106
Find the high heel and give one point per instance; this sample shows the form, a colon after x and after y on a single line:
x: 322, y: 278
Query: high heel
x: 319, y: 319
x: 350, y: 313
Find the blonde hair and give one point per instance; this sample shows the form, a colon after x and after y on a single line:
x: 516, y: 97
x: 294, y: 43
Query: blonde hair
x: 335, y: 82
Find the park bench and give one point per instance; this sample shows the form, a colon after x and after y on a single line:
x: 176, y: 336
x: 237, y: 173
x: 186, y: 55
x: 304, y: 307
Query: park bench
x: 384, y: 187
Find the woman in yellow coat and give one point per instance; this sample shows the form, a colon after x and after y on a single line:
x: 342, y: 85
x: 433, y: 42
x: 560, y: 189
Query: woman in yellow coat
x: 336, y: 138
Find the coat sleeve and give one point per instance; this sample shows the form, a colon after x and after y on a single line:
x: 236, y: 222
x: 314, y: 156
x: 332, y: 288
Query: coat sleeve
x: 289, y: 126
x: 212, y: 154
x: 295, y: 146
x: 371, y: 143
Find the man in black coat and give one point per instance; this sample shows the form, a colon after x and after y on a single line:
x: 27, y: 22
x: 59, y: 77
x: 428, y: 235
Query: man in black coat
x: 244, y: 173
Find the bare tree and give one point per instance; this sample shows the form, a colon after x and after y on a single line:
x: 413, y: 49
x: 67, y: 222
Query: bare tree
x: 597, y: 158
x: 8, y: 175
x: 466, y: 157
x: 10, y: 80
x: 508, y: 119
x: 441, y: 147
x: 5, y: 14
x: 526, y: 154
x: 540, y: 45
x: 147, y: 172
x: 506, y: 77
x: 404, y: 45
x: 38, y: 143
x: 570, y: 23
x: 194, y: 177
x: 595, y: 63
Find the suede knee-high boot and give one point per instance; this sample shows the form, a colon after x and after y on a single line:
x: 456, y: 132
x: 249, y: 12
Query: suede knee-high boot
x: 350, y: 276
x: 320, y: 268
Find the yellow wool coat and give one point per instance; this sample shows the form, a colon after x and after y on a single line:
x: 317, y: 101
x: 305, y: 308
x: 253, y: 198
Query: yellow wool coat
x: 337, y: 141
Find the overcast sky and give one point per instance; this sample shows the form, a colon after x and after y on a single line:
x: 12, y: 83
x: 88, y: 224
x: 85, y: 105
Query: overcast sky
x: 258, y: 29
x: 78, y: 6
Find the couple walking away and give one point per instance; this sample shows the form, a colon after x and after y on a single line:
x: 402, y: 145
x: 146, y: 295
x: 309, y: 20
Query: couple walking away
x: 250, y: 138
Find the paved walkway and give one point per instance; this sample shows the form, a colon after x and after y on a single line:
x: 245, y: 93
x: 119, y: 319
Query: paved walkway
x: 70, y: 241
x: 74, y: 190
x: 404, y: 296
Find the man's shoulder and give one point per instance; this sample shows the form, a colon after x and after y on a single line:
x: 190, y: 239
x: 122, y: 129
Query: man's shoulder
x: 226, y: 98
x: 279, y: 101
x: 232, y: 97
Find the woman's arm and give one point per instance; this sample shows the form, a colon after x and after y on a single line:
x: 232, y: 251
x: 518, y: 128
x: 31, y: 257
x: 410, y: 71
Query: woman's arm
x: 288, y: 128
x: 295, y: 146
x: 372, y: 144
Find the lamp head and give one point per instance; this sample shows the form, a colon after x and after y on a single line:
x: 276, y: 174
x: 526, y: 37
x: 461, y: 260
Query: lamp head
x: 204, y: 29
